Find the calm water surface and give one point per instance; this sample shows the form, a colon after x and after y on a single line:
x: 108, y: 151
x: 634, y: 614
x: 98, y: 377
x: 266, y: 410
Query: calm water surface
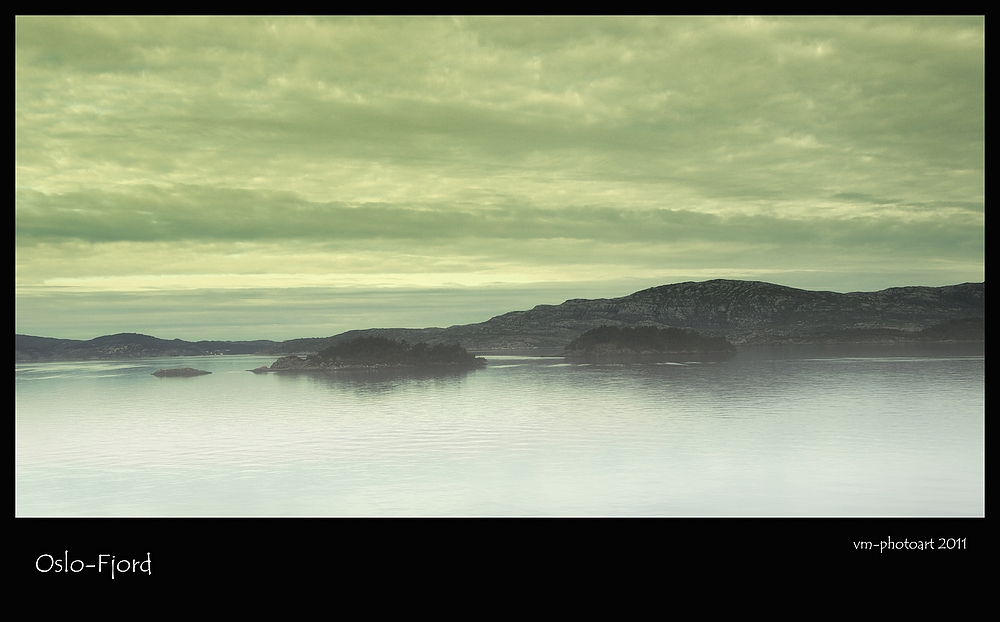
x: 800, y: 431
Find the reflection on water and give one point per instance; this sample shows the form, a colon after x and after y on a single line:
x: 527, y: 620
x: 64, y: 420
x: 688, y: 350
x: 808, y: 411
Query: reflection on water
x: 379, y: 380
x: 817, y: 431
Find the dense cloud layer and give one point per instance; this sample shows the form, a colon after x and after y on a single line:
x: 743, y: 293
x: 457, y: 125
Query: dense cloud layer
x: 272, y: 154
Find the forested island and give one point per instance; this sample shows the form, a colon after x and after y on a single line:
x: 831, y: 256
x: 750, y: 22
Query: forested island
x: 378, y: 352
x: 616, y: 341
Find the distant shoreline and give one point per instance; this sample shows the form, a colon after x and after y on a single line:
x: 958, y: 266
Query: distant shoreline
x: 744, y: 312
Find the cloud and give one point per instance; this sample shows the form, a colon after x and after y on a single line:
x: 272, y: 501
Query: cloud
x: 581, y: 146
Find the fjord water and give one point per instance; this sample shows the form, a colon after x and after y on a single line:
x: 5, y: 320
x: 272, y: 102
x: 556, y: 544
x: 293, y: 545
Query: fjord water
x: 793, y: 431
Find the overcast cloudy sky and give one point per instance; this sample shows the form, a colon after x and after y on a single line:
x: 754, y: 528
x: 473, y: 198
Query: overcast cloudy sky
x: 279, y: 178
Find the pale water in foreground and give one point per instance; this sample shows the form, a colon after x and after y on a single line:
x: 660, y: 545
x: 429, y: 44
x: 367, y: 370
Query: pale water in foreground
x: 800, y: 431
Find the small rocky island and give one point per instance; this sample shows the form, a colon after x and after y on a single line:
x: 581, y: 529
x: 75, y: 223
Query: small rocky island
x: 378, y: 353
x: 624, y: 341
x: 180, y: 372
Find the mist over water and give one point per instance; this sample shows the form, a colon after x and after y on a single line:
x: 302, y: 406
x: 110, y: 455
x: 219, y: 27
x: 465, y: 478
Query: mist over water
x: 795, y: 431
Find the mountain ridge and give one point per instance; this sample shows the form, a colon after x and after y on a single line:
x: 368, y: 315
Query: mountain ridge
x: 745, y: 312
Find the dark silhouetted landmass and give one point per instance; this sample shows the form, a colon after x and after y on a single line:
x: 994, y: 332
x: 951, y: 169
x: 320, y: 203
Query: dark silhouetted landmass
x: 180, y: 372
x: 645, y: 340
x: 378, y: 352
x: 744, y: 312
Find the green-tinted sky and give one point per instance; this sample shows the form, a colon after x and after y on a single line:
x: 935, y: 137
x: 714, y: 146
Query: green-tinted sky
x: 279, y: 178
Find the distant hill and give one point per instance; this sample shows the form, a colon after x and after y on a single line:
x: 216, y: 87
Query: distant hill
x: 123, y: 346
x: 744, y: 312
